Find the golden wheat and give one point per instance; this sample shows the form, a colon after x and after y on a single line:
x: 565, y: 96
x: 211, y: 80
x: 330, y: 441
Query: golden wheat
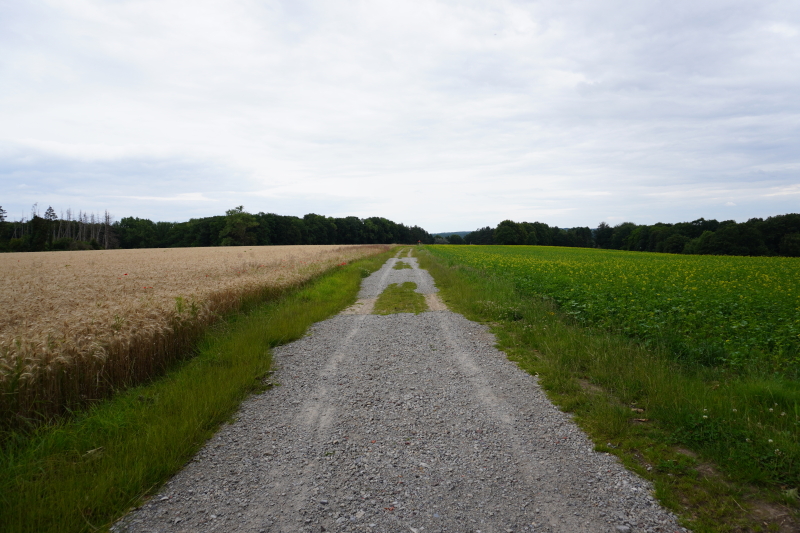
x: 77, y: 325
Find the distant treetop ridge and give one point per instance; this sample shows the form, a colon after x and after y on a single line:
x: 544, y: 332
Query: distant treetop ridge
x: 237, y: 228
x: 777, y: 235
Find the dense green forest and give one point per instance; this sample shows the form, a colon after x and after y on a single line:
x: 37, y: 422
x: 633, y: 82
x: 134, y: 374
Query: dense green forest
x: 778, y: 235
x: 83, y: 231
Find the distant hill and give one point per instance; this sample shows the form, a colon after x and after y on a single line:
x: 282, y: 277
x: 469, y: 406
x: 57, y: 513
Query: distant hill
x: 461, y: 234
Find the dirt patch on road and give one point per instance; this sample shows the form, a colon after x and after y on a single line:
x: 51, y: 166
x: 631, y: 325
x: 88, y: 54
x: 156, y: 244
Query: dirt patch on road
x: 363, y: 306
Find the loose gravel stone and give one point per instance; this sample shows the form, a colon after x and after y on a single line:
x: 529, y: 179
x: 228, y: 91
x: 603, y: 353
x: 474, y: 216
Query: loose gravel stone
x: 401, y: 423
x: 374, y: 285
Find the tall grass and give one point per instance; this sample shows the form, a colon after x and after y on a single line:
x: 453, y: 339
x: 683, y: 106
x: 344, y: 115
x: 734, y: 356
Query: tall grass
x: 740, y: 432
x: 85, y: 472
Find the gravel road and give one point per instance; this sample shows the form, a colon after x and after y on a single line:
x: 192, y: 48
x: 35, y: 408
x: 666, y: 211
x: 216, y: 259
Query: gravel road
x: 401, y: 423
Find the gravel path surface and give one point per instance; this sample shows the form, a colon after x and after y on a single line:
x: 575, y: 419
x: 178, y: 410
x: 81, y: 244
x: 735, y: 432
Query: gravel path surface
x: 374, y: 285
x: 401, y: 423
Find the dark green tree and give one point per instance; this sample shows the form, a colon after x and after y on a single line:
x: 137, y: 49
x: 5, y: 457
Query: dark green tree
x: 562, y: 237
x: 349, y: 230
x: 774, y: 229
x: 136, y: 232
x: 40, y: 230
x: 659, y: 233
x: 417, y: 234
x: 702, y: 225
x: 620, y: 235
x: 583, y: 237
x: 320, y: 229
x: 790, y: 245
x: 509, y: 232
x: 531, y: 237
x: 480, y: 236
x: 237, y: 224
x: 674, y: 244
x: 378, y: 230
x: 638, y: 239
x: 544, y: 233
x: 603, y: 234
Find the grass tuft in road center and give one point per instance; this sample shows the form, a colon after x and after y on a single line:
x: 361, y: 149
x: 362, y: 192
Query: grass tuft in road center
x: 400, y: 299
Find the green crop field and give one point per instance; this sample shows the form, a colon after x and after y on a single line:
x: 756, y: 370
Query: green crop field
x: 734, y: 312
x: 655, y: 353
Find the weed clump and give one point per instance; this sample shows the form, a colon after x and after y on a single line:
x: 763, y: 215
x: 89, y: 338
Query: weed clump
x: 400, y: 299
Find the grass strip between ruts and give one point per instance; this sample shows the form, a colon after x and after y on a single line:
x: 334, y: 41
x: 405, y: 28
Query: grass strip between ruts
x: 618, y: 391
x: 400, y: 299
x: 84, y: 473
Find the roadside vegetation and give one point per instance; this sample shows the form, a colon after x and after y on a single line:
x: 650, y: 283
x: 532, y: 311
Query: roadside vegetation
x: 718, y: 437
x: 85, y: 471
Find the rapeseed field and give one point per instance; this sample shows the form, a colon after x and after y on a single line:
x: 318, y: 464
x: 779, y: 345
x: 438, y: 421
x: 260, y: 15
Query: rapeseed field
x: 709, y: 310
x: 703, y: 395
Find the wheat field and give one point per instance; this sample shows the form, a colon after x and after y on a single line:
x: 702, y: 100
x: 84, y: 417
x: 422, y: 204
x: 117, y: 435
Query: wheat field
x: 78, y: 325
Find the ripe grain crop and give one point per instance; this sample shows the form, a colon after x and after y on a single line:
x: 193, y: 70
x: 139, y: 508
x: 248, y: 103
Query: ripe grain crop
x: 78, y: 325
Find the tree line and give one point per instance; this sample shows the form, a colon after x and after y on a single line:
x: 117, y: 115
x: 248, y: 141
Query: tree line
x: 776, y: 236
x: 48, y: 231
x: 83, y: 231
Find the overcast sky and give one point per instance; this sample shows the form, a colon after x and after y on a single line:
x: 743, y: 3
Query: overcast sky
x: 447, y: 115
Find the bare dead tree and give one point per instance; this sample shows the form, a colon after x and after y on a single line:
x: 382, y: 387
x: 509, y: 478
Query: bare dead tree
x: 107, y: 238
x: 81, y: 225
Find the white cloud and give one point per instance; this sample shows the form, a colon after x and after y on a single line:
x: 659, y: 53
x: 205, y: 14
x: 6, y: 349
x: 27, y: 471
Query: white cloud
x: 784, y: 30
x: 784, y: 191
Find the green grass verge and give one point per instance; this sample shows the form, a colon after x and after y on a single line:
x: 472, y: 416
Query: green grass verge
x: 400, y: 299
x: 82, y: 474
x: 634, y: 403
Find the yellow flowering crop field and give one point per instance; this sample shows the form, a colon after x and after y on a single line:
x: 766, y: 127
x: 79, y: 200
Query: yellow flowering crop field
x: 709, y: 310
